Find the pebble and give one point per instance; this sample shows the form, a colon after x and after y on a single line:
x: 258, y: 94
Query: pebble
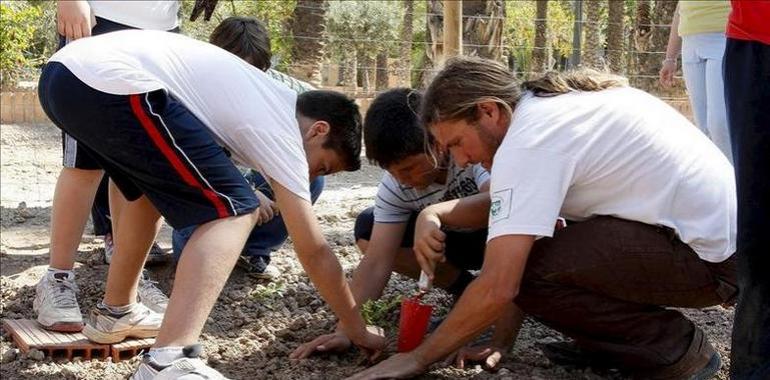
x: 36, y: 354
x: 9, y: 355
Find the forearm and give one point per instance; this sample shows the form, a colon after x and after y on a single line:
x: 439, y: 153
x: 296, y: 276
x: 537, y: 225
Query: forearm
x: 464, y: 322
x: 674, y: 46
x: 507, y: 327
x: 326, y: 274
x: 370, y: 278
x: 468, y: 212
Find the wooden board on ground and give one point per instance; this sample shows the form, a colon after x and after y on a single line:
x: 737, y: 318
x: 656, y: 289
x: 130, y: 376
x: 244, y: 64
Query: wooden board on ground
x: 28, y: 334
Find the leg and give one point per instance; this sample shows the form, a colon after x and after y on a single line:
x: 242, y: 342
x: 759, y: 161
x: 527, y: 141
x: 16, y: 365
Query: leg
x: 134, y: 233
x: 73, y: 196
x: 747, y: 92
x: 405, y: 263
x: 694, y: 72
x: 715, y: 95
x: 605, y: 282
x: 208, y: 258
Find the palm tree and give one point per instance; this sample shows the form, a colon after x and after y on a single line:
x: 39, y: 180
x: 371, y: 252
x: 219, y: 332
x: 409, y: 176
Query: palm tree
x: 615, y: 15
x: 655, y: 44
x: 540, y: 54
x: 483, y: 28
x: 434, y: 38
x: 592, y: 56
x: 308, y: 28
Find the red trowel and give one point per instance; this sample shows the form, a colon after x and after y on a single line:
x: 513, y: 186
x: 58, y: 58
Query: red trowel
x: 415, y: 317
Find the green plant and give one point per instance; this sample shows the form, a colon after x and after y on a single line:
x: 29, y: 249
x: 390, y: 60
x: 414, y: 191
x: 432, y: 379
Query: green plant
x: 376, y: 312
x: 17, y: 29
x: 269, y: 291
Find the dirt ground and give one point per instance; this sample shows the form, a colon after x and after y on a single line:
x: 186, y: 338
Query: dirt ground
x: 254, y: 325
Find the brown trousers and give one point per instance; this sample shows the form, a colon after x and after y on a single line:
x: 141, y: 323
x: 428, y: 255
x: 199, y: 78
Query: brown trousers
x: 607, y: 283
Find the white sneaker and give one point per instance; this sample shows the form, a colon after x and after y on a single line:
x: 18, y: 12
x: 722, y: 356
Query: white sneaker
x: 150, y: 295
x: 106, y: 328
x: 189, y: 367
x: 56, y: 303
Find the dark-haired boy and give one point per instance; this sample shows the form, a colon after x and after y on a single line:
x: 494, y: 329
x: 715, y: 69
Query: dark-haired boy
x: 415, y: 180
x: 163, y: 114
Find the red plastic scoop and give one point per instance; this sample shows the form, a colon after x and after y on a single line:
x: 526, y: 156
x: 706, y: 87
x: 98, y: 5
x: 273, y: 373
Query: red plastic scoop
x: 415, y: 317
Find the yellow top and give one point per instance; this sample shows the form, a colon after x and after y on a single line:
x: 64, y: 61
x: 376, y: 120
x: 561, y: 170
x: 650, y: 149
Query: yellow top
x: 709, y: 16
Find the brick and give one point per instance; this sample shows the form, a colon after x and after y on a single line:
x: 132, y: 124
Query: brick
x: 27, y: 334
x: 128, y: 349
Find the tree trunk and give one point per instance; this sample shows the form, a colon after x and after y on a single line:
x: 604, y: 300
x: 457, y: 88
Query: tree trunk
x: 540, y: 54
x: 434, y: 38
x: 308, y: 28
x: 348, y: 68
x: 483, y: 28
x: 615, y: 30
x: 405, y: 50
x: 382, y: 71
x: 592, y: 54
x: 650, y: 58
x: 365, y: 72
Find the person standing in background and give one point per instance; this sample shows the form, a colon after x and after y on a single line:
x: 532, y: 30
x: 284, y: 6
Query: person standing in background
x: 56, y: 303
x: 698, y: 32
x: 747, y: 94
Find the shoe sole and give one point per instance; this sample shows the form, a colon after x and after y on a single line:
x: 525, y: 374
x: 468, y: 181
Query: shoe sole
x: 97, y: 336
x: 68, y: 327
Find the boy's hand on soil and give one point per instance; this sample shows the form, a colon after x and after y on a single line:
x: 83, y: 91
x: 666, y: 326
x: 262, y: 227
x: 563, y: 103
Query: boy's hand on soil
x: 489, y: 355
x: 372, y: 342
x: 399, y: 366
x: 336, y: 342
x: 429, y: 243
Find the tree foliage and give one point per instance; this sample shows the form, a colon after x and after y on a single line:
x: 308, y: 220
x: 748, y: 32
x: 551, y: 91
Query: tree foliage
x: 17, y: 29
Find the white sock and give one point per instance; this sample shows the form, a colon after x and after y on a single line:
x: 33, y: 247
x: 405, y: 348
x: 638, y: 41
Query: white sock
x: 166, y: 355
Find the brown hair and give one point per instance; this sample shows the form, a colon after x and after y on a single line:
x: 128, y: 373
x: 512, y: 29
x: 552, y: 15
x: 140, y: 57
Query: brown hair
x: 466, y: 81
x: 245, y: 37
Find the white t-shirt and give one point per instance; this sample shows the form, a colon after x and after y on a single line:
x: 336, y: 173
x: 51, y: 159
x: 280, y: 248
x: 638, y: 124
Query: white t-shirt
x: 250, y: 114
x: 144, y: 14
x: 395, y: 203
x: 618, y: 152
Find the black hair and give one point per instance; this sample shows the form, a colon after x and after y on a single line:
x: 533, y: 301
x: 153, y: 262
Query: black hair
x: 344, y: 120
x: 245, y: 37
x: 392, y: 129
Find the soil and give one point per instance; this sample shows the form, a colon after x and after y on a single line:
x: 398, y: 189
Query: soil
x: 254, y: 325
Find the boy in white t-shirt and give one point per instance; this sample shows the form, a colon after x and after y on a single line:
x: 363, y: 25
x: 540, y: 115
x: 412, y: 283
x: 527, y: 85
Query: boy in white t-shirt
x: 415, y: 181
x: 81, y: 184
x: 164, y: 115
x: 653, y: 205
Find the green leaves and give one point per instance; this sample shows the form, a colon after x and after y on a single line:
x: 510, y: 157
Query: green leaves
x: 17, y: 28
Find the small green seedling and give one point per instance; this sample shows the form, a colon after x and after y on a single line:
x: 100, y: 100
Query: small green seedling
x: 376, y: 312
x: 269, y: 291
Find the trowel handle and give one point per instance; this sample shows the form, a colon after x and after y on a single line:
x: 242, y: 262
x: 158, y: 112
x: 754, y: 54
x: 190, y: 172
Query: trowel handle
x: 424, y: 284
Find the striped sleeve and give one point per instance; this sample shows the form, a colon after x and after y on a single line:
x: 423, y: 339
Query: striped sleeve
x: 391, y: 204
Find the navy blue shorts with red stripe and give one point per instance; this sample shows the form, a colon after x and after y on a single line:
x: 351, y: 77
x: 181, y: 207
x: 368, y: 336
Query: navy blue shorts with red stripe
x: 149, y: 144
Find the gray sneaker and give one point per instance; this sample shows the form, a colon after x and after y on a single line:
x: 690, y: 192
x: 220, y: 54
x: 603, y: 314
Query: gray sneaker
x: 189, y: 367
x: 149, y: 294
x: 158, y: 255
x: 107, y: 328
x: 56, y: 303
